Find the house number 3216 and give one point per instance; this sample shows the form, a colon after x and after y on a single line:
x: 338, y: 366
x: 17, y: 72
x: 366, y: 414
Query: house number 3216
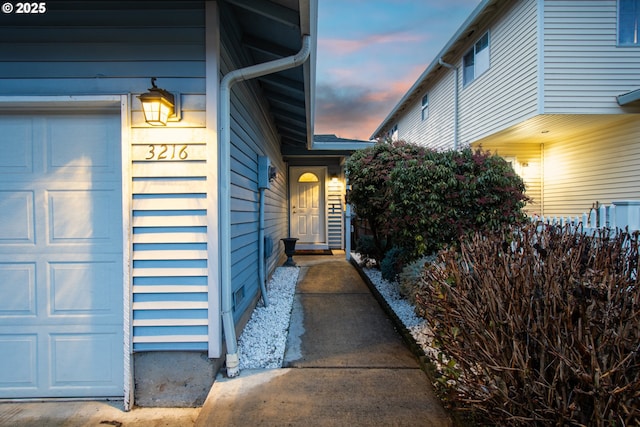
x: 167, y: 152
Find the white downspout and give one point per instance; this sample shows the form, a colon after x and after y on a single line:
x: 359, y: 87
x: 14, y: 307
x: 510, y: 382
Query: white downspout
x: 542, y: 180
x: 455, y: 101
x: 228, y: 80
x: 261, y: 264
x: 347, y: 226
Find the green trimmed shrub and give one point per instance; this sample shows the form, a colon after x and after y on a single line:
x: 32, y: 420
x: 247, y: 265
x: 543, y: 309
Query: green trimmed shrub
x: 366, y: 247
x: 392, y: 263
x: 369, y: 173
x: 409, y: 277
x: 420, y: 200
x: 443, y: 196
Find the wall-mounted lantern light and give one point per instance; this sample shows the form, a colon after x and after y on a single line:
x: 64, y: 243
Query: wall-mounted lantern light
x: 159, y: 106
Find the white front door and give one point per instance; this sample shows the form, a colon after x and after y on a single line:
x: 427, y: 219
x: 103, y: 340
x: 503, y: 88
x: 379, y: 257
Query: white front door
x: 61, y: 309
x: 307, y: 205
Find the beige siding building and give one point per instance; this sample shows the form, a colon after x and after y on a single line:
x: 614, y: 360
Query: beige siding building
x: 549, y: 85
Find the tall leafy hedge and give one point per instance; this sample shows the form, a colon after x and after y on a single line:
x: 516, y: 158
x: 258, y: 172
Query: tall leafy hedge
x: 418, y: 200
x: 369, y: 172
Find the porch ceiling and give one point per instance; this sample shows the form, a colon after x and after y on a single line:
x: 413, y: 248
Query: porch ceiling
x: 271, y: 30
x: 553, y: 128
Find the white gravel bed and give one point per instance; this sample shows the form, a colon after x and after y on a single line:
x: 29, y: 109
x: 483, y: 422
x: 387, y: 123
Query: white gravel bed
x: 405, y: 311
x: 262, y: 342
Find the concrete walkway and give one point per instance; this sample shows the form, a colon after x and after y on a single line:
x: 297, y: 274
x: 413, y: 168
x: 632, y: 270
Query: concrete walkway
x: 92, y: 414
x: 345, y: 365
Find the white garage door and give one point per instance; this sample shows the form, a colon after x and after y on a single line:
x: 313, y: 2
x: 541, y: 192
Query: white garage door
x: 61, y: 328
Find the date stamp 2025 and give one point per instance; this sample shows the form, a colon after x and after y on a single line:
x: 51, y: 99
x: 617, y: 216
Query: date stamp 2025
x: 24, y: 7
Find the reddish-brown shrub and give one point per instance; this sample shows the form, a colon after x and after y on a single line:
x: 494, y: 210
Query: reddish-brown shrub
x: 539, y: 326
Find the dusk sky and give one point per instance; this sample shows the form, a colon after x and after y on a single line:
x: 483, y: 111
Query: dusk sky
x: 370, y: 52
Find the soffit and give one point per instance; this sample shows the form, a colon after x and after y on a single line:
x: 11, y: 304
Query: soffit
x: 554, y: 128
x: 271, y: 30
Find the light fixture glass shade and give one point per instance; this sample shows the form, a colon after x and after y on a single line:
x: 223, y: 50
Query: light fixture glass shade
x: 157, y: 105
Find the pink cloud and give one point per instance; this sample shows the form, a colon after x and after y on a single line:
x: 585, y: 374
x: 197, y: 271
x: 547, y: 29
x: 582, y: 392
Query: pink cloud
x: 345, y: 47
x: 362, y: 77
x: 353, y: 110
x: 355, y: 103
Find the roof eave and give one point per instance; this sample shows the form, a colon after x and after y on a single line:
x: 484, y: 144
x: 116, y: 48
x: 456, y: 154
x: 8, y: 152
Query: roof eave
x: 342, y: 146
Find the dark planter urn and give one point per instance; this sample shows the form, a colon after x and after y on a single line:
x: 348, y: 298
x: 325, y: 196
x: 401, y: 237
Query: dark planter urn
x: 289, y: 250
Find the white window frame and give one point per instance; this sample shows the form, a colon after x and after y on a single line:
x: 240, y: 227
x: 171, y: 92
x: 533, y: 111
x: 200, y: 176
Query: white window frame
x: 480, y: 57
x: 424, y: 109
x: 393, y: 133
x: 633, y: 19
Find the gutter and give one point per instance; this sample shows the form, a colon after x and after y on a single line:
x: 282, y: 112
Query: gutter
x: 229, y: 80
x: 340, y: 146
x: 455, y: 101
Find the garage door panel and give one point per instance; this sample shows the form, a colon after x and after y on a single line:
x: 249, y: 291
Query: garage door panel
x: 81, y: 216
x: 84, y: 288
x: 79, y: 143
x: 83, y: 360
x: 17, y: 290
x: 16, y: 145
x: 17, y: 216
x: 70, y: 362
x: 19, y: 367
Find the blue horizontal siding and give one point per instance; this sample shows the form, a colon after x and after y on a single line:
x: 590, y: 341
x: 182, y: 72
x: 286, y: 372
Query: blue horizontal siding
x: 95, y: 85
x: 202, y: 297
x: 112, y: 35
x: 169, y: 229
x: 177, y: 264
x: 144, y: 331
x: 141, y: 247
x: 175, y: 314
x: 185, y: 346
x: 175, y: 281
x: 90, y: 51
x: 123, y: 69
x: 82, y: 51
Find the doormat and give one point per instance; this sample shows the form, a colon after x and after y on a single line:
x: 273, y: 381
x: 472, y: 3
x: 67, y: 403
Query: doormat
x: 313, y: 252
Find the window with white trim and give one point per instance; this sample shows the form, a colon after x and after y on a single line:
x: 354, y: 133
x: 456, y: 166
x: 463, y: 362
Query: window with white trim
x: 393, y: 133
x: 476, y: 60
x: 628, y: 19
x: 425, y: 107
